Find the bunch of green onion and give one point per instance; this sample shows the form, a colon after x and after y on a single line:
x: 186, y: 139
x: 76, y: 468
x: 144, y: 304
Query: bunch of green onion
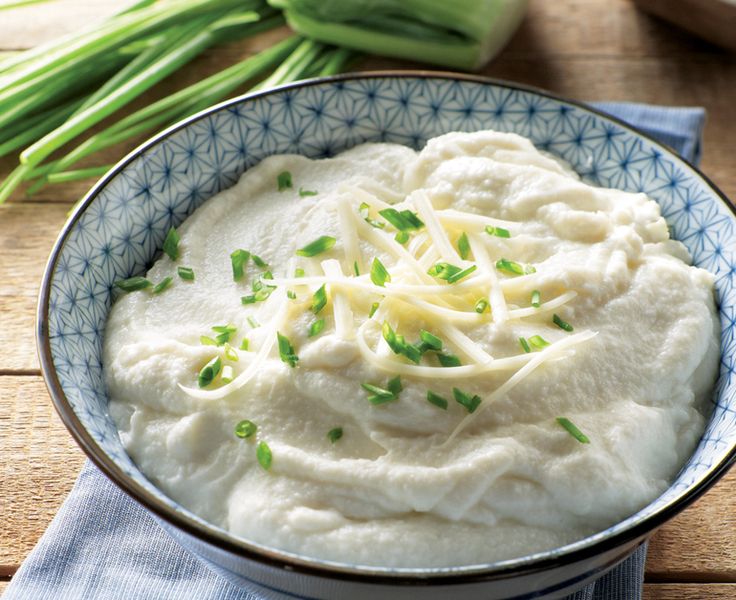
x: 52, y: 96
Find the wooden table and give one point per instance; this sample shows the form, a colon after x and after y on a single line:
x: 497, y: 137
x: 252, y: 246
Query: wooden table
x: 583, y: 49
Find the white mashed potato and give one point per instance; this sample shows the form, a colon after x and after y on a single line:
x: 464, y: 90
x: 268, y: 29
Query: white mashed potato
x: 413, y: 482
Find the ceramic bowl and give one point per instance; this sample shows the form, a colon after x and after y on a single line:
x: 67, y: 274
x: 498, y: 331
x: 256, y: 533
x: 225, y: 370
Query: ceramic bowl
x: 118, y: 229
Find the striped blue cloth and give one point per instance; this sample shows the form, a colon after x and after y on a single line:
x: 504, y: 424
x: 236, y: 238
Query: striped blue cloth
x: 103, y: 545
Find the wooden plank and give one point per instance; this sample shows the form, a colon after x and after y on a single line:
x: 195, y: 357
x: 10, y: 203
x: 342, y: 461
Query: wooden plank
x: 695, y: 591
x: 38, y: 465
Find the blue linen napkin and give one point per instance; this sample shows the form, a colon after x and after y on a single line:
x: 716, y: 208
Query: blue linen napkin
x: 104, y: 545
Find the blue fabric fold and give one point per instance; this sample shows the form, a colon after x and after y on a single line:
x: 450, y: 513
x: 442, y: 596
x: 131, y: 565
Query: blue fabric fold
x: 104, y: 545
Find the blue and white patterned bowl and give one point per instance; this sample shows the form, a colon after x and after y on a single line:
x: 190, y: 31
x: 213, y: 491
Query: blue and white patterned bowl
x: 118, y: 229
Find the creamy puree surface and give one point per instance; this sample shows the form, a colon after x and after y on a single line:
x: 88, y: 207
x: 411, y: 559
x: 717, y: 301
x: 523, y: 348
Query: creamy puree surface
x: 410, y: 483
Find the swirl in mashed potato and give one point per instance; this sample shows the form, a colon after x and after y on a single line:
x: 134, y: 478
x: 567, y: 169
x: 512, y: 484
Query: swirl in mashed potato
x: 558, y: 386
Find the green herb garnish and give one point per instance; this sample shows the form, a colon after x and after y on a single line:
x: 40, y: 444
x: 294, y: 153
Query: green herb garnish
x: 557, y: 321
x: 364, y: 210
x: 356, y: 269
x: 245, y: 429
x: 398, y: 344
x: 239, y: 258
x: 404, y: 220
x: 231, y: 353
x: 334, y: 434
x: 429, y: 341
x: 379, y: 275
x: 227, y: 374
x: 374, y: 308
x: 253, y: 322
x: 259, y: 262
x: 463, y: 246
x: 264, y: 456
x: 206, y: 340
x: 290, y: 295
x: 286, y: 351
x: 450, y: 273
x: 379, y: 395
x: 509, y: 266
x: 536, y: 299
x: 298, y: 272
x: 394, y: 385
x: 538, y: 342
x: 462, y: 274
x: 209, y: 372
x: 304, y: 193
x: 402, y: 237
x: 319, y: 299
x: 316, y: 328
x: 245, y: 344
x: 481, y: 306
x: 437, y: 400
x: 283, y: 180
x: 469, y: 402
x: 133, y: 284
x: 318, y: 246
x: 497, y: 231
x: 573, y: 430
x: 162, y: 285
x: 249, y: 299
x: 524, y: 345
x: 448, y: 360
x: 171, y: 244
x: 185, y: 273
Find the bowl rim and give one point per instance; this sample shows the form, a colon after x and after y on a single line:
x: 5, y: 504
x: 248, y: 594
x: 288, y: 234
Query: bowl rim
x: 283, y: 560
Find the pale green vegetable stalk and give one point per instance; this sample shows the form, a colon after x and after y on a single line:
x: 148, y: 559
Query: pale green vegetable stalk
x: 462, y: 34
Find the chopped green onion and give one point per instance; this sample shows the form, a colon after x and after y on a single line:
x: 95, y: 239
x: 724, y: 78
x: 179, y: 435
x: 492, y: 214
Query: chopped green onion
x: 209, y: 372
x: 162, y: 285
x: 573, y: 430
x: 497, y: 231
x: 334, y: 434
x: 538, y: 342
x: 224, y: 328
x: 316, y: 327
x: 402, y: 237
x: 430, y: 341
x: 374, y: 308
x: 206, y: 340
x: 239, y: 258
x: 443, y: 270
x: 319, y: 299
x: 171, y: 244
x: 318, y: 246
x: 245, y: 344
x: 394, y: 385
x: 379, y: 275
x: 448, y: 360
x: 398, y: 344
x: 185, y: 273
x: 284, y: 180
x: 463, y: 246
x: 509, y: 266
x: 364, y: 210
x: 462, y: 274
x: 259, y: 262
x: 231, y: 353
x: 378, y: 395
x: 227, y: 374
x: 249, y: 299
x: 133, y: 284
x: 264, y: 456
x: 286, y: 351
x: 536, y: 299
x: 471, y: 403
x: 529, y: 269
x: 253, y: 322
x: 267, y: 275
x: 290, y: 295
x: 524, y: 345
x: 245, y: 429
x: 298, y: 272
x: 437, y: 400
x: 405, y: 220
x: 555, y: 319
x: 304, y: 193
x: 481, y: 306
x: 356, y: 270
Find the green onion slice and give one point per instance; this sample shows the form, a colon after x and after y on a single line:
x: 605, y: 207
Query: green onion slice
x: 318, y: 246
x: 227, y: 374
x: 524, y: 345
x: 471, y: 403
x: 245, y: 429
x: 290, y: 295
x: 264, y: 456
x: 572, y: 429
x: 437, y: 400
x: 133, y: 284
x: 185, y: 273
x: 356, y: 269
x: 398, y: 344
x: 304, y: 193
x: 462, y: 274
x: 374, y: 308
x: 171, y: 244
x: 538, y: 342
x: 245, y: 344
x: 298, y: 272
x: 231, y: 353
x: 162, y: 285
x: 379, y: 275
x: 334, y: 434
x: 509, y: 266
x: 364, y: 210
x: 206, y: 340
x: 316, y: 328
x: 209, y: 372
x: 463, y: 246
x: 497, y: 231
x: 259, y: 262
x: 286, y: 350
x: 404, y: 220
x: 481, y: 306
x: 253, y: 322
x: 557, y: 321
x: 283, y: 180
x: 448, y: 360
x: 430, y: 341
x: 402, y: 237
x: 536, y: 299
x: 319, y: 299
x: 239, y: 258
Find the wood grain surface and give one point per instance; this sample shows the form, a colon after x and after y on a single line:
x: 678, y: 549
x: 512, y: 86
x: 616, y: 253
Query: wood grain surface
x: 583, y: 49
